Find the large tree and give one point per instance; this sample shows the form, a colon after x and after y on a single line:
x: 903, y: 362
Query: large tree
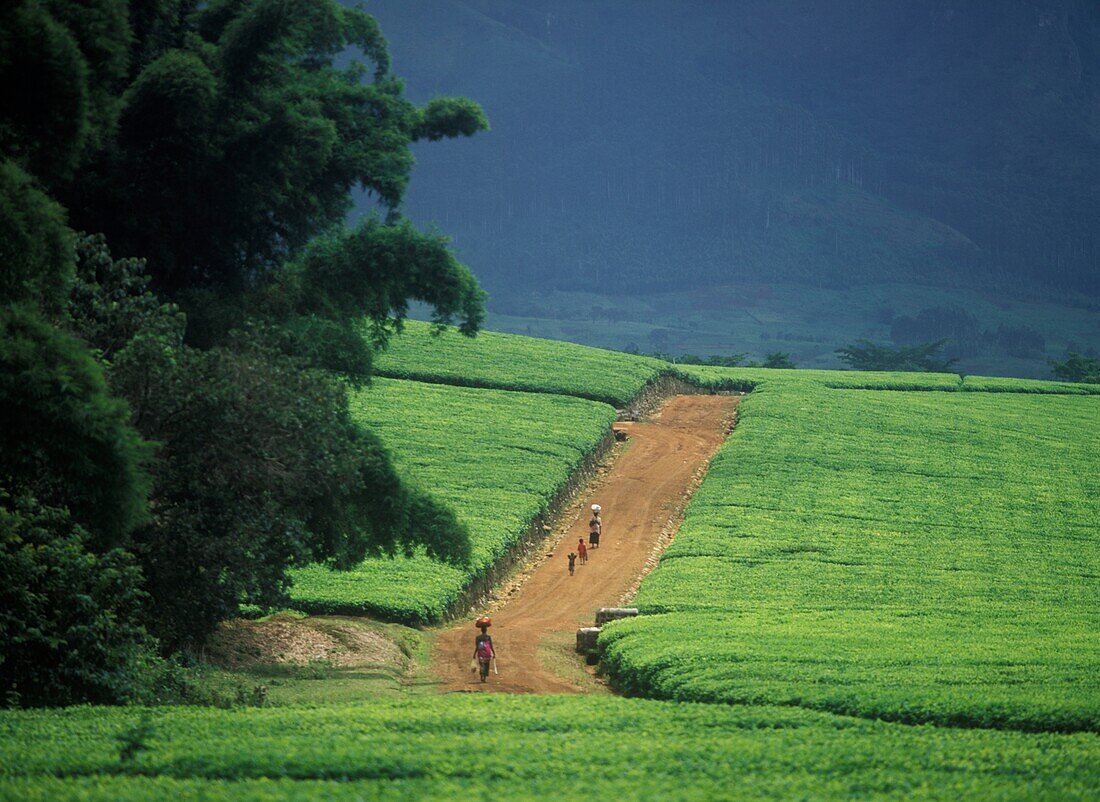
x: 260, y: 464
x: 923, y: 357
x: 73, y: 479
x: 241, y: 137
x: 220, y: 141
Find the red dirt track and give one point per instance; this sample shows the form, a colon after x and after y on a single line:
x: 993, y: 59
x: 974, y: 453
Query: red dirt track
x: 643, y: 494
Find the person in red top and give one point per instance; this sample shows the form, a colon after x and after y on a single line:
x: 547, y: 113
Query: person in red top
x: 484, y: 652
x: 582, y: 551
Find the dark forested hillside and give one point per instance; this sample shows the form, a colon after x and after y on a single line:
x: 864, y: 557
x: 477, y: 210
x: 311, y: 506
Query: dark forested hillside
x: 660, y: 145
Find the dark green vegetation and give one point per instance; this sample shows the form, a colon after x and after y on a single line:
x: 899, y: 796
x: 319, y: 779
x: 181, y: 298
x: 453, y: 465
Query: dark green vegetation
x: 71, y: 614
x: 527, y: 748
x: 1077, y: 368
x: 923, y: 357
x: 833, y: 142
x: 838, y: 146
x: 176, y: 434
x: 243, y: 419
x: 179, y: 291
x: 912, y: 556
x: 494, y: 458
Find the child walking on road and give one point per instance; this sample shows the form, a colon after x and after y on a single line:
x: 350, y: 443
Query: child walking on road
x: 572, y: 562
x: 582, y: 551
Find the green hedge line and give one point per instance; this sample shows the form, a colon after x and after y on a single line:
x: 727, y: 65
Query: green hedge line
x: 534, y: 747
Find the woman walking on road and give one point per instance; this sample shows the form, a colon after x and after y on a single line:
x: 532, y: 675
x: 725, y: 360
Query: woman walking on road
x: 595, y: 527
x: 484, y: 653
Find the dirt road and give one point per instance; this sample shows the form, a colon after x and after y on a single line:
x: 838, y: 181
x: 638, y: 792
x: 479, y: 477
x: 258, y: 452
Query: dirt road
x: 643, y: 495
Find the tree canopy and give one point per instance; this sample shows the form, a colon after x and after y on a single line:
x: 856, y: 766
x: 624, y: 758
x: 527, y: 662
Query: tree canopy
x: 1077, y: 368
x: 245, y: 127
x: 184, y: 416
x: 924, y: 357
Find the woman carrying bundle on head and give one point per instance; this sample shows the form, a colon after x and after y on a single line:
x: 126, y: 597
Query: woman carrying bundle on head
x: 595, y: 527
x: 484, y: 653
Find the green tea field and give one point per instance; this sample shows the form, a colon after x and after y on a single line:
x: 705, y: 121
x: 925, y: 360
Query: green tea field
x: 911, y: 556
x: 511, y: 362
x: 495, y: 457
x: 885, y: 588
x: 494, y: 747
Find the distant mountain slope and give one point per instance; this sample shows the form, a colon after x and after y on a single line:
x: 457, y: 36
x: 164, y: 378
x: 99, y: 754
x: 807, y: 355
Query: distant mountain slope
x: 667, y: 144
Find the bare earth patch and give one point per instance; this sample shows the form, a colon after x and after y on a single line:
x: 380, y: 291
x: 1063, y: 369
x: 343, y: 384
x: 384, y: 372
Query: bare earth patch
x: 288, y: 640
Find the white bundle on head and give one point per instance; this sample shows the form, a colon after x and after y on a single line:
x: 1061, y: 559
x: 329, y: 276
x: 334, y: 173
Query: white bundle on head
x: 596, y: 508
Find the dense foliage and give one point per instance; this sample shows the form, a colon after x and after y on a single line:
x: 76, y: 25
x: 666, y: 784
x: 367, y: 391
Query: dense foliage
x: 70, y: 618
x: 369, y: 274
x: 67, y: 442
x: 913, y: 556
x: 237, y: 121
x: 526, y: 747
x: 503, y: 457
x: 922, y: 357
x: 219, y: 142
x: 964, y: 336
x: 35, y: 245
x: 260, y: 465
x: 1077, y: 368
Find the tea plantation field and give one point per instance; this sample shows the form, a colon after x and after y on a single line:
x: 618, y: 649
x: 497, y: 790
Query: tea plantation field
x: 911, y: 556
x: 512, y: 362
x: 743, y: 378
x: 494, y: 747
x: 887, y: 587
x: 496, y: 458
